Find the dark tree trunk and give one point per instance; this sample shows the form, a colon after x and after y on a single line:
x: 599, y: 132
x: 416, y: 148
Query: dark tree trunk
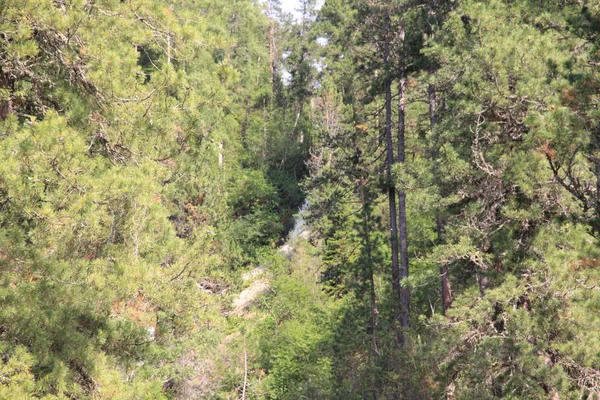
x: 404, y: 291
x: 598, y: 189
x: 396, y: 289
x: 6, y: 109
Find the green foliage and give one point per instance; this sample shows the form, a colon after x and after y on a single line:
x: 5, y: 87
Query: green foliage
x: 293, y: 342
x: 152, y: 150
x: 501, y: 190
x: 125, y: 194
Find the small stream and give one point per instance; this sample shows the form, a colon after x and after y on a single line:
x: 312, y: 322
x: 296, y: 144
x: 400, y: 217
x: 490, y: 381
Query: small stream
x: 299, y: 223
x: 260, y: 284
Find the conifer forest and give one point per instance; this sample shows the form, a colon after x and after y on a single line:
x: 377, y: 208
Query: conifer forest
x: 361, y: 199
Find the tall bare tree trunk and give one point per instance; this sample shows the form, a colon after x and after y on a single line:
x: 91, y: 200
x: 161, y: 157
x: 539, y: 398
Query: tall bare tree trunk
x: 389, y: 163
x: 272, y: 49
x: 404, y: 291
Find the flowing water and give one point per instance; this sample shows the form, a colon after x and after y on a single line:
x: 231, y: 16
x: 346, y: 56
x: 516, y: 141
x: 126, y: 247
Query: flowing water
x: 260, y: 284
x: 299, y: 223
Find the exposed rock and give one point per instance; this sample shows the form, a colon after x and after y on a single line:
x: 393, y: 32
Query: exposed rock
x: 305, y: 235
x: 249, y: 295
x: 254, y: 273
x: 287, y: 250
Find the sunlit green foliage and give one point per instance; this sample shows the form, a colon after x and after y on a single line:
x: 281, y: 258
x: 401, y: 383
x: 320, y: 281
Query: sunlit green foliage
x: 126, y: 194
x: 153, y: 151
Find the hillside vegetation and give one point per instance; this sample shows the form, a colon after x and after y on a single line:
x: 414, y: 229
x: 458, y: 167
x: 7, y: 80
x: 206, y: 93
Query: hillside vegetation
x: 154, y: 155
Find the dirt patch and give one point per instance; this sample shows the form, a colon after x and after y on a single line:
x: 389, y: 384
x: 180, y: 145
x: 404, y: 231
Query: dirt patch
x: 202, y: 383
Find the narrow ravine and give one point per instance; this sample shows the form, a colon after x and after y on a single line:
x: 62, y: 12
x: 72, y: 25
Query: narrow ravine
x: 257, y: 276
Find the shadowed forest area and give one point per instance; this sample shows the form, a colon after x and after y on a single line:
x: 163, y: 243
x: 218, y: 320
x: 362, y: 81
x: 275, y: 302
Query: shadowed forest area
x: 371, y: 199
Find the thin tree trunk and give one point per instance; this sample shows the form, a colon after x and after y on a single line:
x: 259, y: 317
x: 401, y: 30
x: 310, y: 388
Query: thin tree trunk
x: 272, y: 50
x: 265, y: 133
x: 482, y: 280
x: 391, y: 188
x: 271, y: 43
x: 404, y: 291
x: 446, y: 293
x: 597, y: 188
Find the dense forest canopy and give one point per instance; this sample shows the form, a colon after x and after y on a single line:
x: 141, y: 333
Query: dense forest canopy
x: 444, y: 154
